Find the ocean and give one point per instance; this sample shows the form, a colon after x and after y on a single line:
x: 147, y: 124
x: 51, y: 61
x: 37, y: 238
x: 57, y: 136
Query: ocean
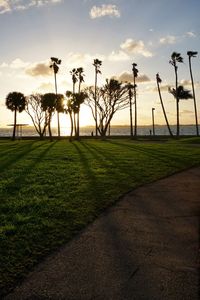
x: 29, y: 131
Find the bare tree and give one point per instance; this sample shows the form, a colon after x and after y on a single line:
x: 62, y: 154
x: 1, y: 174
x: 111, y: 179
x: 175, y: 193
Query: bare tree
x: 109, y: 99
x: 37, y: 114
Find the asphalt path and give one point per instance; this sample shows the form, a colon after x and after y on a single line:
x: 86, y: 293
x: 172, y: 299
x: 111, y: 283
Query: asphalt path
x: 144, y: 247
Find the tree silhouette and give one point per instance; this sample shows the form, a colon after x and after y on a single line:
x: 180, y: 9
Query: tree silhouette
x: 190, y: 55
x: 180, y: 93
x: 37, y: 114
x: 69, y: 109
x: 176, y: 58
x: 74, y: 75
x: 16, y: 102
x: 135, y: 75
x: 130, y: 94
x: 49, y: 106
x: 54, y: 65
x: 112, y: 97
x: 97, y: 64
x: 80, y: 97
x: 158, y: 80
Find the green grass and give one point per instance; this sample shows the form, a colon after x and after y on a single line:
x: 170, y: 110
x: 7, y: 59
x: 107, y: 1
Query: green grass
x: 49, y: 191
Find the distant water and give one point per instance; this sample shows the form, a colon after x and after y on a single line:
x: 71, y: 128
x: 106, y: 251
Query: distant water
x: 115, y: 130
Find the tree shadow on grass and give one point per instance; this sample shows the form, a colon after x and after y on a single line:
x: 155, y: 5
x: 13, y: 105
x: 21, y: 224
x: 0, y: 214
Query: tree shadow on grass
x: 21, y: 152
x: 86, y: 167
x: 160, y: 155
x: 21, y: 179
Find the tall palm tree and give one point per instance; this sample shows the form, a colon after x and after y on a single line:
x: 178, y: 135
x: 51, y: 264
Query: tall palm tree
x: 135, y: 75
x: 54, y: 65
x: 15, y: 101
x: 130, y: 94
x: 74, y: 75
x: 190, y: 55
x: 158, y: 80
x: 176, y: 58
x: 80, y: 76
x: 97, y: 64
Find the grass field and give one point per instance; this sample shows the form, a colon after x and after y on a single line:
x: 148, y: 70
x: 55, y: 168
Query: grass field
x: 49, y: 191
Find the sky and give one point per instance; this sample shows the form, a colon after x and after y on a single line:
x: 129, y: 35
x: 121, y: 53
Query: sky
x: 118, y: 32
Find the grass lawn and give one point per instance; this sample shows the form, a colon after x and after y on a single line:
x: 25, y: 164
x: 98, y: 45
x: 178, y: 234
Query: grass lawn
x: 49, y: 191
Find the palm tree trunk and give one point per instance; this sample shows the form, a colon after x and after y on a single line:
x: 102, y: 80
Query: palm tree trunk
x: 56, y: 100
x: 15, y: 123
x: 49, y: 128
x: 78, y: 114
x: 74, y: 119
x: 165, y: 115
x: 72, y: 125
x: 95, y: 97
x: 135, y: 100
x: 194, y: 97
x: 177, y: 101
x: 131, y: 117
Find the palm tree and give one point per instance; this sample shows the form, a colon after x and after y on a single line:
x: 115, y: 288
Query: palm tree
x: 190, y: 55
x: 97, y: 64
x: 74, y: 75
x: 15, y: 101
x: 176, y: 58
x: 135, y: 74
x: 181, y: 94
x: 130, y: 94
x: 80, y: 76
x: 54, y: 65
x: 158, y: 80
x: 49, y: 102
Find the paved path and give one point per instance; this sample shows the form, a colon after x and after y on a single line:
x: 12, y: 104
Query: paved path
x: 145, y: 247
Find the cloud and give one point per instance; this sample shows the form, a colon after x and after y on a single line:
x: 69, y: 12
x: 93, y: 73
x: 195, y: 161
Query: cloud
x: 186, y: 82
x: 4, y: 6
x: 186, y: 112
x: 169, y: 39
x: 46, y: 87
x: 104, y: 10
x: 15, y: 64
x: 190, y: 34
x: 39, y: 69
x: 81, y: 59
x: 11, y: 5
x: 128, y: 77
x: 131, y: 46
x: 118, y: 56
x: 163, y: 88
